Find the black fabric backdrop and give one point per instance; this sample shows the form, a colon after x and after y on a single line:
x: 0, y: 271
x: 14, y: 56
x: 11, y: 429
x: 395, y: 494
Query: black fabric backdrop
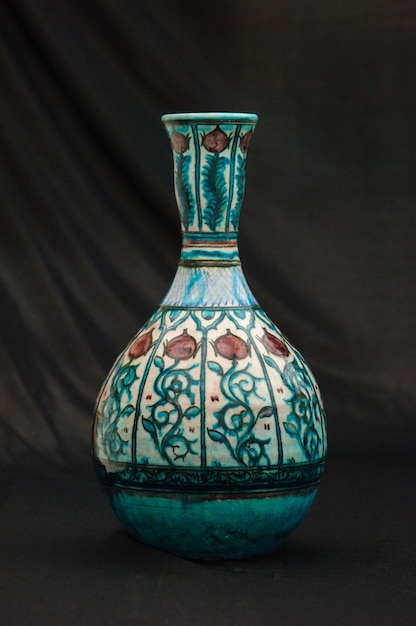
x: 89, y: 245
x: 90, y: 232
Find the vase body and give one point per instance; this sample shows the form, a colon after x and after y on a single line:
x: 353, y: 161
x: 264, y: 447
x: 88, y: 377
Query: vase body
x: 209, y: 433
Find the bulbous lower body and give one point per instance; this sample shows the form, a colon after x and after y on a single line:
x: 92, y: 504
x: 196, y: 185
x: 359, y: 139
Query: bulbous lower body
x: 210, y: 525
x: 209, y: 433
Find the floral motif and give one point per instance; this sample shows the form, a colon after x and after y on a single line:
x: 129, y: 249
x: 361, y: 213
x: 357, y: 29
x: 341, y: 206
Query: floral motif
x: 245, y: 141
x: 176, y: 404
x: 182, y: 347
x: 240, y: 178
x: 180, y: 142
x: 216, y: 140
x: 212, y: 386
x: 273, y: 344
x: 184, y: 194
x: 116, y: 407
x: 231, y: 347
x: 244, y: 428
x: 141, y: 345
x: 214, y: 188
x: 218, y: 159
x: 236, y: 419
x: 306, y: 416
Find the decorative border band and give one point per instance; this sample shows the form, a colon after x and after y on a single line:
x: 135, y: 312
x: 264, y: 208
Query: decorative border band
x: 207, y: 263
x: 146, y: 477
x: 210, y: 118
x: 213, y: 309
x: 203, y: 238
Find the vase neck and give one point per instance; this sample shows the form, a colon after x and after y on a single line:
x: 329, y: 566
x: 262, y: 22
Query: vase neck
x: 209, y: 153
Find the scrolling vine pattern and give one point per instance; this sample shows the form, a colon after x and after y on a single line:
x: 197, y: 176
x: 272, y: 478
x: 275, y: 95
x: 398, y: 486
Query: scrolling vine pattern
x: 116, y: 408
x: 222, y: 345
x: 167, y: 415
x: 236, y: 419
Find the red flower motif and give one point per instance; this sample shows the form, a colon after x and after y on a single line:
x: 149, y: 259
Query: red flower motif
x: 180, y: 143
x: 273, y: 344
x: 245, y: 141
x: 141, y: 345
x: 216, y: 140
x: 181, y: 347
x: 231, y: 347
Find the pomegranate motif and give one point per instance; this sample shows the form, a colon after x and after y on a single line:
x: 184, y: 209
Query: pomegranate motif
x: 273, y: 344
x: 180, y: 143
x: 181, y: 347
x: 141, y: 345
x: 216, y: 140
x: 245, y: 141
x: 231, y: 347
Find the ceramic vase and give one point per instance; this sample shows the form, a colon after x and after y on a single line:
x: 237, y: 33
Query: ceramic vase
x: 209, y: 435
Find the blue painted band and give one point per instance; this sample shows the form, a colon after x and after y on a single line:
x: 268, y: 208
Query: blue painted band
x: 244, y: 118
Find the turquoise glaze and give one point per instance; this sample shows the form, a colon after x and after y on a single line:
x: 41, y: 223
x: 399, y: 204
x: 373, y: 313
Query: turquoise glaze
x: 209, y: 431
x: 211, y: 527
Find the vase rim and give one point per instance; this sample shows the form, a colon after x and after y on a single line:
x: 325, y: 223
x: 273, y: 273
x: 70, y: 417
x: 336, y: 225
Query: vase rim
x: 211, y: 117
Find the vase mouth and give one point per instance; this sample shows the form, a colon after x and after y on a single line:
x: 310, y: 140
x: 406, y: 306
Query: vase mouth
x: 216, y: 117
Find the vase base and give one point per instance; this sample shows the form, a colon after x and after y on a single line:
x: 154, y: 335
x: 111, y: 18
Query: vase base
x: 211, y: 527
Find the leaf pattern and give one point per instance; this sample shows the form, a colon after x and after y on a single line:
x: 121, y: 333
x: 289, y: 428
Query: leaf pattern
x: 215, y: 367
x: 214, y: 188
x: 236, y: 420
x: 217, y: 436
x: 306, y: 412
x: 169, y: 411
x: 173, y: 388
x: 241, y: 185
x: 115, y: 408
x: 184, y: 190
x: 198, y: 398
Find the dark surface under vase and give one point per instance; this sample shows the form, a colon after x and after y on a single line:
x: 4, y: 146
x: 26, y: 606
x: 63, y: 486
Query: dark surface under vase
x: 65, y: 560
